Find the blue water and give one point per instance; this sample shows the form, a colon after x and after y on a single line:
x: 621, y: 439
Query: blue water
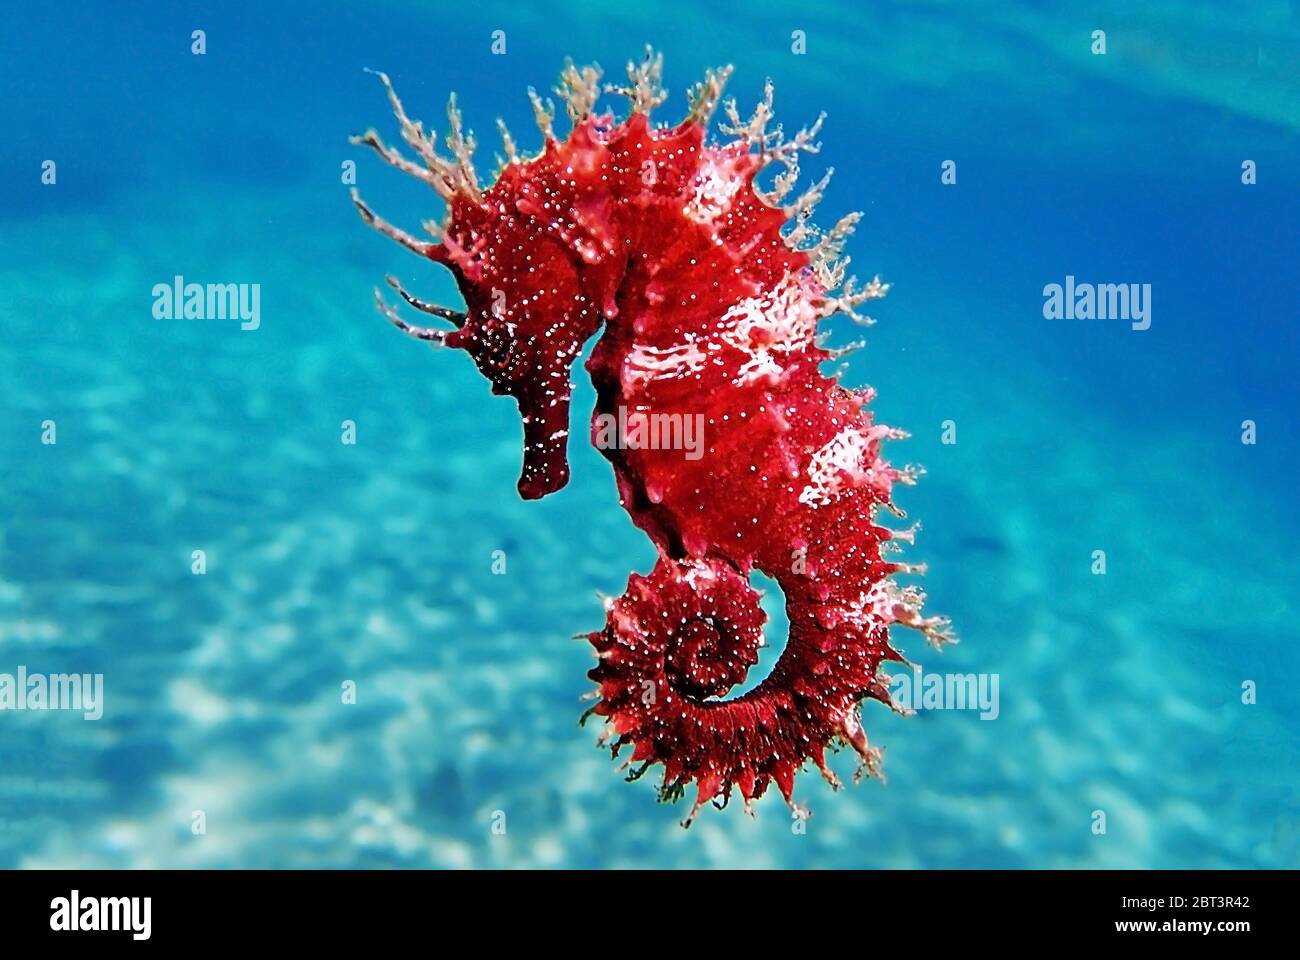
x: 372, y: 562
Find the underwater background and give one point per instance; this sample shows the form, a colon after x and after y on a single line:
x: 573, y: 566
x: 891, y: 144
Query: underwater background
x: 372, y: 562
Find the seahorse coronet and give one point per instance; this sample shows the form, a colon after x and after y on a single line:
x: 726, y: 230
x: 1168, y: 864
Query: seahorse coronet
x: 710, y: 293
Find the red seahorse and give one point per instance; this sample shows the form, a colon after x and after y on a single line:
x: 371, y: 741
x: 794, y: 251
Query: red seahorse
x: 710, y: 291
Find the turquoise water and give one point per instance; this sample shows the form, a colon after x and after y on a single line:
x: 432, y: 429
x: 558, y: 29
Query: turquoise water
x: 372, y: 562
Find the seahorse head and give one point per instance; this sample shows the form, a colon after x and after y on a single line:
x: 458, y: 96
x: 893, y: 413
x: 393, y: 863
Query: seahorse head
x: 541, y: 255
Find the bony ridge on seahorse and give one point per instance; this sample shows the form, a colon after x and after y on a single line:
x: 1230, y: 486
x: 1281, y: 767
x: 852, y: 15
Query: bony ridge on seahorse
x: 710, y: 290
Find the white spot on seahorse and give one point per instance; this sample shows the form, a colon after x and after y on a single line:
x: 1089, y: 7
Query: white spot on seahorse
x: 715, y: 187
x: 645, y: 363
x: 780, y: 321
x: 847, y: 462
